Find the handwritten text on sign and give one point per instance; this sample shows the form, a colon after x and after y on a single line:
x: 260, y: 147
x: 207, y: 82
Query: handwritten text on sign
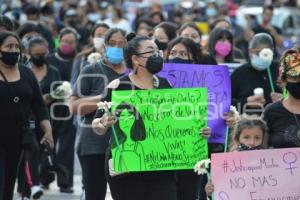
x: 257, y: 175
x: 159, y: 129
x: 216, y: 79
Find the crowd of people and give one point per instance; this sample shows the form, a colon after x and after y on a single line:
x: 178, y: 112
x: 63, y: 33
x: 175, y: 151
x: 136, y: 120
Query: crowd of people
x: 95, y: 48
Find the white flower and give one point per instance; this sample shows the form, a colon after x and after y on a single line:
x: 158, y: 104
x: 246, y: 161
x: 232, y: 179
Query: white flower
x: 201, y: 167
x: 235, y: 113
x: 93, y: 58
x: 65, y: 86
x: 64, y: 91
x: 266, y: 54
x: 104, y: 105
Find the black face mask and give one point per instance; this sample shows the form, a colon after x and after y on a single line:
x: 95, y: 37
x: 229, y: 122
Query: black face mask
x: 179, y: 60
x: 161, y: 45
x: 243, y: 147
x: 154, y: 64
x: 39, y: 61
x: 294, y: 89
x: 10, y: 58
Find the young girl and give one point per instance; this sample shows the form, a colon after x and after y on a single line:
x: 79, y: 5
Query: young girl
x: 250, y: 134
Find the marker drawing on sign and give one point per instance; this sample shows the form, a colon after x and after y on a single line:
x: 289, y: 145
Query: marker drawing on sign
x: 130, y: 128
x: 290, y: 158
x: 223, y: 196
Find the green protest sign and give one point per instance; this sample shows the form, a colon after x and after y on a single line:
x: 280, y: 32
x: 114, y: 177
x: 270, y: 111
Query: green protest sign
x: 159, y: 129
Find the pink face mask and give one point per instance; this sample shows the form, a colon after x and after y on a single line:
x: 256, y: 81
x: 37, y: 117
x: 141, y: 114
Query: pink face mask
x: 67, y: 49
x: 223, y: 48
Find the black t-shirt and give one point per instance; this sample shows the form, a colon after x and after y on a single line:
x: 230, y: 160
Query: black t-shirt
x: 91, y: 82
x: 284, y: 126
x: 63, y: 66
x: 52, y: 76
x: 245, y: 79
x: 127, y: 84
x: 208, y: 59
x: 29, y: 93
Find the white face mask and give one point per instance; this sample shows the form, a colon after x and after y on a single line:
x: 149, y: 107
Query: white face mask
x: 98, y: 42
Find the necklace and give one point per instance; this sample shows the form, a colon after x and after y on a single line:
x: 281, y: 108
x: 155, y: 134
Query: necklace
x: 298, y: 123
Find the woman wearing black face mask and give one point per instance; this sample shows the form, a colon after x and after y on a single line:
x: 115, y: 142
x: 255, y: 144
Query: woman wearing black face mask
x: 145, y: 60
x: 184, y: 51
x: 20, y: 96
x: 163, y: 34
x: 189, y: 185
x: 283, y: 117
x: 46, y: 75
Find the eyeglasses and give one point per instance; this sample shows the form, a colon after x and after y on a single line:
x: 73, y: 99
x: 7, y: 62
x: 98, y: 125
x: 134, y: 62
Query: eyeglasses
x: 151, y: 53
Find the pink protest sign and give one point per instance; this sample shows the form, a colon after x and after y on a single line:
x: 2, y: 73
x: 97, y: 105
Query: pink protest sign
x: 257, y: 175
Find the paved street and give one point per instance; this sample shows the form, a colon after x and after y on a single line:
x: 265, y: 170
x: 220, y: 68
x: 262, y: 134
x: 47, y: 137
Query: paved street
x: 54, y: 194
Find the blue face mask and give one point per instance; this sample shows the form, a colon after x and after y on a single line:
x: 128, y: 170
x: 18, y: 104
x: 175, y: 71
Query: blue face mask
x: 211, y: 12
x: 179, y: 60
x: 260, y: 64
x: 114, y: 55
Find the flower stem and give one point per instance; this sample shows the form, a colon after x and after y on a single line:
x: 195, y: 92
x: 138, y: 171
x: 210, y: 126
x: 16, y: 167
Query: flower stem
x: 209, y: 177
x: 226, y: 139
x: 271, y: 80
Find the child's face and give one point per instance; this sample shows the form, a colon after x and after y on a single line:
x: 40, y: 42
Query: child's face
x: 251, y: 137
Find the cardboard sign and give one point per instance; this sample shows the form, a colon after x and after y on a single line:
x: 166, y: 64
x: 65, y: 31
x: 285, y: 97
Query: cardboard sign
x: 257, y: 175
x: 216, y: 79
x: 159, y: 129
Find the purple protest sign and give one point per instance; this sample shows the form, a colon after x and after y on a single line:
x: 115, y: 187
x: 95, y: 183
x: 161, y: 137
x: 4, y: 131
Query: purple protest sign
x: 214, y: 77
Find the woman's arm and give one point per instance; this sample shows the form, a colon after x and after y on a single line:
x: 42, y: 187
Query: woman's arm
x: 47, y: 99
x: 46, y: 127
x: 84, y: 106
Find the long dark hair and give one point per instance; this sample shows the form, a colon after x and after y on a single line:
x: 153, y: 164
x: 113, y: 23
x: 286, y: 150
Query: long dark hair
x: 217, y: 34
x: 5, y: 34
x: 189, y: 44
x: 112, y: 31
x: 137, y: 131
x: 6, y: 23
x: 132, y: 47
x: 169, y: 29
x: 28, y: 27
x: 189, y: 25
